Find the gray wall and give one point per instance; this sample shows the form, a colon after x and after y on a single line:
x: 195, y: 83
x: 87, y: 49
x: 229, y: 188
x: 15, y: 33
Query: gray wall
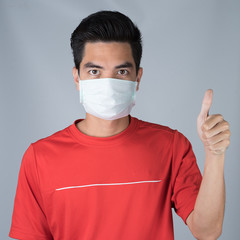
x: 188, y: 46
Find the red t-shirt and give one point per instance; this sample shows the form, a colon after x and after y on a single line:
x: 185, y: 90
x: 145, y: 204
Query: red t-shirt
x: 75, y: 186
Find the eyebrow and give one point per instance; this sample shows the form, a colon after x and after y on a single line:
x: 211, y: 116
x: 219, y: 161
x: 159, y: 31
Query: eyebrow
x: 93, y: 65
x: 125, y: 65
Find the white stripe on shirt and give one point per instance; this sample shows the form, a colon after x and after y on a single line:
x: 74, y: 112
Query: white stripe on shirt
x: 104, y: 184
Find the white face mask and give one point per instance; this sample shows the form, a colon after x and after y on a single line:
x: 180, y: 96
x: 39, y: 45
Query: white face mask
x: 107, y: 98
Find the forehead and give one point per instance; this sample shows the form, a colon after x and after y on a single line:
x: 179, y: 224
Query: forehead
x: 107, y: 51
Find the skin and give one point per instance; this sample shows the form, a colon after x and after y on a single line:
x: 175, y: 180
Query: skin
x: 205, y: 221
x: 108, y: 55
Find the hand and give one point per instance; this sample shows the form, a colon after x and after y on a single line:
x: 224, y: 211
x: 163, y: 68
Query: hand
x: 213, y: 130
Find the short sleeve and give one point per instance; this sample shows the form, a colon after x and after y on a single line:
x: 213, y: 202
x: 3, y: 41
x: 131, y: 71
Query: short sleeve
x: 28, y: 218
x: 186, y: 176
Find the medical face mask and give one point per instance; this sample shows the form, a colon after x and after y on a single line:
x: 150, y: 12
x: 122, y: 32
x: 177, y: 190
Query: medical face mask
x: 107, y: 98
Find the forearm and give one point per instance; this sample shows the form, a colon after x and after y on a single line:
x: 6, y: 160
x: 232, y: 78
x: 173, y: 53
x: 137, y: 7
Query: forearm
x: 209, y: 207
x: 205, y: 222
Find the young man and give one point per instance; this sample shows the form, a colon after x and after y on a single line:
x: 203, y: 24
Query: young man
x: 111, y: 175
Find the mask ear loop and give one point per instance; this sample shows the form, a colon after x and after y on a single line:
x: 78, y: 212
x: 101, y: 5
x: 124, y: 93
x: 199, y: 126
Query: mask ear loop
x: 134, y: 92
x: 80, y: 86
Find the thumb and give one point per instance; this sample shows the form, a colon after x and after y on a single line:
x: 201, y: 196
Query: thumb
x: 206, y: 103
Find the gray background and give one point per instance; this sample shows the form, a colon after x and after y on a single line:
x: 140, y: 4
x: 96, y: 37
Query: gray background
x: 188, y: 47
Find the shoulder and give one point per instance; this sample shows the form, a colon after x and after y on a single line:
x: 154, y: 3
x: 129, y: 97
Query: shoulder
x: 155, y: 131
x: 58, y: 138
x: 157, y: 127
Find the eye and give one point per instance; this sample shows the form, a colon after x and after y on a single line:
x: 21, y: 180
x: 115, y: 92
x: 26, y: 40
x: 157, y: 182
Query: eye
x: 123, y: 72
x: 93, y: 72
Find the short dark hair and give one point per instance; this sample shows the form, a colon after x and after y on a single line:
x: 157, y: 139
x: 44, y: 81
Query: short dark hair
x: 106, y: 26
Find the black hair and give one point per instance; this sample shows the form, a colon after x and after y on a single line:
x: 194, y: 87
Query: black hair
x: 106, y: 26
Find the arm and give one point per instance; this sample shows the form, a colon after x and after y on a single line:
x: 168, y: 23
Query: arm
x: 28, y: 219
x: 205, y: 221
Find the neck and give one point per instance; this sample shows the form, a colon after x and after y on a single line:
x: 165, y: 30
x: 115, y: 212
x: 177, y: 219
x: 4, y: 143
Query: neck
x: 97, y: 127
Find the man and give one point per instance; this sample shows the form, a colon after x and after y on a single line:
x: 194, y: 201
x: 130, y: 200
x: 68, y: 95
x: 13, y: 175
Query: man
x: 111, y: 175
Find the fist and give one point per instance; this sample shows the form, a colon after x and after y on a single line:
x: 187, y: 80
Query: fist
x: 213, y: 130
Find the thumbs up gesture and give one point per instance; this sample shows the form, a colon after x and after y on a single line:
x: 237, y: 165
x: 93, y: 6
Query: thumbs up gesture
x: 213, y: 130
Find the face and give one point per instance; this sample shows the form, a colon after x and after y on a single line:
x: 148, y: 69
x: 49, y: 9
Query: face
x: 107, y: 60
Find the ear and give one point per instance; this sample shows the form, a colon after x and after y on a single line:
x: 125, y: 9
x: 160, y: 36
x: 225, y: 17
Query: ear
x: 139, y: 76
x: 75, y: 77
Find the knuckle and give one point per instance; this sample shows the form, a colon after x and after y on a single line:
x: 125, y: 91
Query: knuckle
x: 207, y: 135
x: 219, y: 117
x: 226, y: 124
x: 227, y: 133
x: 220, y: 151
x: 227, y: 142
x: 204, y: 126
x: 211, y: 147
x: 208, y: 141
